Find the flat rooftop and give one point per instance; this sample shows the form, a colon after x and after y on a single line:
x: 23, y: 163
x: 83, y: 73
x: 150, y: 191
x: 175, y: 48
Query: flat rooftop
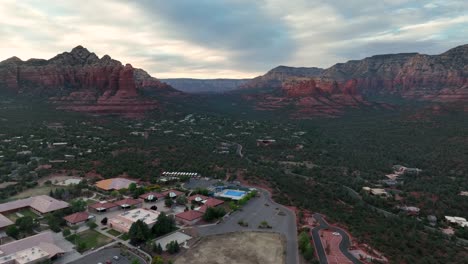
x: 148, y: 216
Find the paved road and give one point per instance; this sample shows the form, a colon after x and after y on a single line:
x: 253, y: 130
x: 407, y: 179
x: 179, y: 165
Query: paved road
x: 344, y: 244
x: 255, y: 211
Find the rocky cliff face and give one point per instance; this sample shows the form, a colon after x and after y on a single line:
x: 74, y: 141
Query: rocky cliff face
x: 79, y: 80
x: 275, y: 77
x: 441, y: 78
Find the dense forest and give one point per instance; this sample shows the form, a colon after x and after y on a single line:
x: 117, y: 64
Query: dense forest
x: 311, y: 163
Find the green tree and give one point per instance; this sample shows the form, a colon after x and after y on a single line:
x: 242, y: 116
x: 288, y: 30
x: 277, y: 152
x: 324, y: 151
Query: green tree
x: 181, y: 199
x: 26, y: 224
x: 13, y: 231
x: 139, y: 232
x: 81, y: 246
x: 164, y: 225
x: 157, y: 260
x: 78, y: 205
x: 136, y: 261
x: 168, y: 202
x: 213, y: 213
x: 66, y: 232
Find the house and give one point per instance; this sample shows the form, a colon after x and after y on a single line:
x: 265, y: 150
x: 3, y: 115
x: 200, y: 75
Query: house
x: 172, y: 193
x: 212, y: 202
x: 378, y: 192
x: 457, y: 220
x: 103, y: 206
x: 189, y: 217
x: 151, y: 196
x: 129, y: 203
x: 122, y: 222
x: 78, y: 219
x: 265, y: 142
x: 34, y: 249
x: 114, y: 184
x: 41, y: 205
x: 411, y: 210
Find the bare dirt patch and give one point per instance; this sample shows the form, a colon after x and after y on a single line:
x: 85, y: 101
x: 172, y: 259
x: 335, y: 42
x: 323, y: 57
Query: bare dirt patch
x: 239, y: 247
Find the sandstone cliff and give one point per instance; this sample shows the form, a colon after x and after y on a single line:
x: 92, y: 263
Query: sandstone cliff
x: 79, y: 80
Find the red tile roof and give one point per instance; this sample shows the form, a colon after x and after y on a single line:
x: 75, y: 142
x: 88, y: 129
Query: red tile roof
x: 105, y: 205
x: 190, y: 215
x: 77, y: 217
x: 128, y: 201
x: 212, y: 202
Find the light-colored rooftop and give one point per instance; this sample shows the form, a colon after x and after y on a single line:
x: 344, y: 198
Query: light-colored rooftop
x: 4, y: 221
x: 42, y: 203
x: 148, y: 216
x: 45, y: 241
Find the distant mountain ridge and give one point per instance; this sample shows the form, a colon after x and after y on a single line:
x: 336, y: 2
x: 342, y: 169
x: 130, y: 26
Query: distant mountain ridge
x: 439, y: 78
x: 79, y: 80
x: 190, y: 85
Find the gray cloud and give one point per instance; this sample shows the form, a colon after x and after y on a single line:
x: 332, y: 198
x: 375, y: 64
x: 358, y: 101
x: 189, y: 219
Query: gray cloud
x: 241, y: 28
x: 231, y: 38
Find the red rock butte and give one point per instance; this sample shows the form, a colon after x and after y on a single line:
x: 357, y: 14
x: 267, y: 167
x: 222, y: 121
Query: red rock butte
x: 80, y: 81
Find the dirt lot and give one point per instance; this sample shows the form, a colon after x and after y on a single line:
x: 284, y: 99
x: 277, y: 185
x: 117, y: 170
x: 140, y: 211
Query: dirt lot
x: 240, y: 248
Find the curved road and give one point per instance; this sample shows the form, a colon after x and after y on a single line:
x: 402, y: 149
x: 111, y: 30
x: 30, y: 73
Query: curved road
x: 344, y: 244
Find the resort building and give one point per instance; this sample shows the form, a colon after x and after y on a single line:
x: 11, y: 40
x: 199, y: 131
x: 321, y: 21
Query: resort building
x: 103, y: 206
x: 114, y: 184
x: 41, y: 205
x: 34, y: 249
x: 151, y: 196
x: 78, y: 219
x: 189, y: 217
x: 128, y: 203
x: 124, y: 221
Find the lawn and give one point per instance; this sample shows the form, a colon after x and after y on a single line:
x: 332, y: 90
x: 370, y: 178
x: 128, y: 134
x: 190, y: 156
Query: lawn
x: 114, y: 232
x: 37, y: 190
x: 92, y: 239
x: 25, y: 212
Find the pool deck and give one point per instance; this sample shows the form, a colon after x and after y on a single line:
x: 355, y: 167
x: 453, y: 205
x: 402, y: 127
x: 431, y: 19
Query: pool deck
x: 235, y: 194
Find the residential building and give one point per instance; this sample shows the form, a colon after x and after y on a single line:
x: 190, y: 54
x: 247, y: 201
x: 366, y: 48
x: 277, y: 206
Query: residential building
x: 128, y: 203
x: 189, y: 217
x: 34, y: 249
x: 41, y: 205
x: 122, y: 222
x: 78, y: 219
x: 114, y: 184
x: 103, y: 206
x: 172, y: 193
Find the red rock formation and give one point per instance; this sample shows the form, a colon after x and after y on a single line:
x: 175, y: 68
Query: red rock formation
x: 439, y: 78
x: 79, y: 80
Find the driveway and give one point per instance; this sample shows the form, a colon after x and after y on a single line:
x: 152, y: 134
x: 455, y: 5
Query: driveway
x: 255, y: 211
x: 344, y: 244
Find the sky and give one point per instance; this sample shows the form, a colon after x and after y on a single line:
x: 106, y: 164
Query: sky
x: 230, y: 38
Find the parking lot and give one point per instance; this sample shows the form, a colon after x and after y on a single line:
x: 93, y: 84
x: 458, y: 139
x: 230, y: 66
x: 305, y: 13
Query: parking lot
x: 108, y: 254
x: 253, y: 213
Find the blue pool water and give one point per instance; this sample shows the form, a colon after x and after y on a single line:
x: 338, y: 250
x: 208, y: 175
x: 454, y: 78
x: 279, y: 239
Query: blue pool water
x: 234, y: 193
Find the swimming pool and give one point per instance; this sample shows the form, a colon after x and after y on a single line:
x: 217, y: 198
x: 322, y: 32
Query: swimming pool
x: 231, y: 194
x: 234, y: 193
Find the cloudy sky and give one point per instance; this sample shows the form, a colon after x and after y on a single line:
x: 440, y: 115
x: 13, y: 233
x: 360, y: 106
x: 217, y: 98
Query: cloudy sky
x: 232, y: 39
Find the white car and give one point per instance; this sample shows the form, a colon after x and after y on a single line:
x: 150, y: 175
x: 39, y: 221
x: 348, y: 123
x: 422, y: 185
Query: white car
x: 116, y: 257
x: 336, y: 233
